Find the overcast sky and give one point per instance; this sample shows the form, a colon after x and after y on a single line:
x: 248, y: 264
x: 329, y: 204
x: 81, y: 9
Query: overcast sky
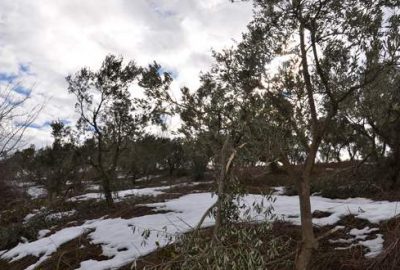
x: 42, y: 41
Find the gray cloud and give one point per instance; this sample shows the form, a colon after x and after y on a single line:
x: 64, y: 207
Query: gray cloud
x: 55, y: 38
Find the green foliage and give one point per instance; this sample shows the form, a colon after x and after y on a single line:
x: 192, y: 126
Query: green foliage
x: 240, y: 246
x: 15, y: 232
x: 197, y: 156
x: 150, y: 155
x: 107, y: 112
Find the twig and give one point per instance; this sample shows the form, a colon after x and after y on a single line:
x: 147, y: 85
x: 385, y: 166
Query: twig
x: 205, y: 215
x: 331, y: 231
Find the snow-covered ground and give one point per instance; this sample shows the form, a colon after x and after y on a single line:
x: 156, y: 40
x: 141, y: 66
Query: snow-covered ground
x: 119, y: 195
x: 34, y: 213
x: 36, y: 192
x: 147, y: 178
x: 122, y: 241
x: 60, y: 215
x: 122, y: 193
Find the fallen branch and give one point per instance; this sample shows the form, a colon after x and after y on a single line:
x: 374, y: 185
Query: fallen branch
x: 206, y: 213
x: 331, y: 231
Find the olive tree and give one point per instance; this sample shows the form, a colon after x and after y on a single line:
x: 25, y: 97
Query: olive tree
x: 106, y: 113
x: 318, y: 53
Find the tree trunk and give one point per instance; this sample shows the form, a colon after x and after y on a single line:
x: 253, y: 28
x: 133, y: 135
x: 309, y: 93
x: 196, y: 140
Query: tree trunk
x: 309, y: 243
x: 105, y: 177
x: 171, y: 169
x: 107, y: 190
x: 395, y: 164
x: 221, y: 187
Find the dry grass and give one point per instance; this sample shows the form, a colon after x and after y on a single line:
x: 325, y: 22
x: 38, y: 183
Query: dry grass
x: 325, y: 258
x: 327, y: 178
x: 390, y: 258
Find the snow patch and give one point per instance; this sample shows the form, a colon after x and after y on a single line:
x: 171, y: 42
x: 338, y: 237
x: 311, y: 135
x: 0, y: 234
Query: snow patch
x: 60, y: 215
x: 93, y: 187
x: 375, y: 246
x: 362, y: 234
x: 44, y: 247
x: 147, y: 178
x: 122, y: 239
x: 43, y: 233
x: 34, y: 213
x: 36, y: 192
x: 29, y: 216
x: 154, y: 191
x: 279, y: 190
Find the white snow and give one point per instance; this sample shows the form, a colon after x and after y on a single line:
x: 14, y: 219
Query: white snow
x: 49, y: 217
x: 60, y: 215
x: 341, y: 241
x: 121, y: 239
x: 34, y: 213
x: 87, y: 196
x: 29, y: 216
x: 119, y: 195
x: 36, y: 192
x: 347, y: 247
x: 154, y: 191
x: 279, y: 190
x: 141, y: 192
x: 93, y: 187
x: 44, y: 247
x: 22, y: 184
x: 201, y: 183
x: 147, y: 178
x: 362, y: 234
x: 43, y: 233
x: 375, y: 246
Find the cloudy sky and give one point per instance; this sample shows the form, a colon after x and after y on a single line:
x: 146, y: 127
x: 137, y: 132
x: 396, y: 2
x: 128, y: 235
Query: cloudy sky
x: 42, y: 41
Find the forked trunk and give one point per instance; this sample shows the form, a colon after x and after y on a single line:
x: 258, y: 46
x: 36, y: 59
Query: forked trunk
x: 309, y: 243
